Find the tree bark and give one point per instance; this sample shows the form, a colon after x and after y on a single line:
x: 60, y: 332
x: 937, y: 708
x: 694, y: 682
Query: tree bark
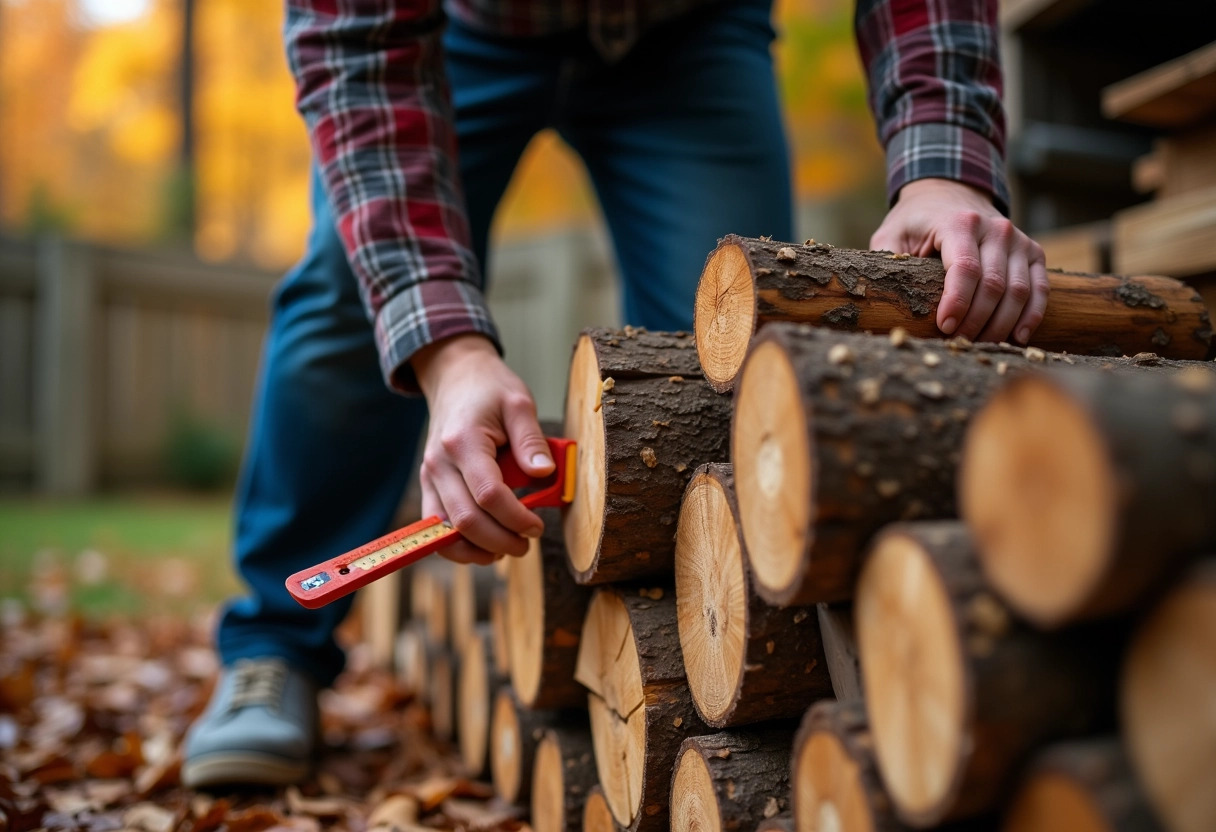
x: 748, y: 282
x: 545, y: 609
x: 1168, y: 680
x: 1081, y: 786
x: 957, y: 692
x: 562, y: 778
x: 641, y: 710
x: 644, y: 419
x: 1089, y: 490
x: 477, y: 683
x: 835, y: 434
x: 746, y: 661
x: 732, y: 780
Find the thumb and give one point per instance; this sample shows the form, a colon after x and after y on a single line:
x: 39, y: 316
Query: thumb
x: 526, y: 439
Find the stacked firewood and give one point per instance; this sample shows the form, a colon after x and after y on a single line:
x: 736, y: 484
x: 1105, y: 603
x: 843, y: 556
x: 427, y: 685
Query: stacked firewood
x: 886, y: 583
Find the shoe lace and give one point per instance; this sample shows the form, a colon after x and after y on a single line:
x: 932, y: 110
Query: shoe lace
x: 257, y: 682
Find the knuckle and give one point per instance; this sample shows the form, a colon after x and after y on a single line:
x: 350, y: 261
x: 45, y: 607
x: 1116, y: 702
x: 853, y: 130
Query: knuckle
x: 485, y: 494
x: 967, y: 221
x: 520, y: 402
x: 450, y: 442
x: 463, y: 518
x: 992, y: 284
x: 1001, y: 228
x: 1019, y: 291
x: 968, y: 264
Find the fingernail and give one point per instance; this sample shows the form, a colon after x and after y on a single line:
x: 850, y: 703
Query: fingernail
x: 949, y: 325
x: 534, y: 533
x: 541, y: 461
x: 1024, y: 334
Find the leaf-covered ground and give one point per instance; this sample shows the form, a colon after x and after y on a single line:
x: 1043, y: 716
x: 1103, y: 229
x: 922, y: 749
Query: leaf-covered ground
x: 92, y: 715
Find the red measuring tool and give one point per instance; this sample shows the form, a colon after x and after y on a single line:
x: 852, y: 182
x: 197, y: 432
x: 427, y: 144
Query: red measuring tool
x: 318, y: 585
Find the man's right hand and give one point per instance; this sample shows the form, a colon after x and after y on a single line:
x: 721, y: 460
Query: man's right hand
x: 477, y: 405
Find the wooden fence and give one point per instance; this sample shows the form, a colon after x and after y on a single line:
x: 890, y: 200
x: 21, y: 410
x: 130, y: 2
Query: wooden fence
x: 101, y: 350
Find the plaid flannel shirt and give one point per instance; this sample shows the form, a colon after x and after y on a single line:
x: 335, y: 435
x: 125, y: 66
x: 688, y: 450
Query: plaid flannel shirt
x: 372, y: 90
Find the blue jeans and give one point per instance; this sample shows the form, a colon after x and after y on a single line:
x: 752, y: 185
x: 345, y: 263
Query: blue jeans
x: 684, y: 143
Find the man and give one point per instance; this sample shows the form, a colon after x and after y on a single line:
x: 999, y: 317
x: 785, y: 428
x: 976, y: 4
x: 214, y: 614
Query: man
x: 673, y: 107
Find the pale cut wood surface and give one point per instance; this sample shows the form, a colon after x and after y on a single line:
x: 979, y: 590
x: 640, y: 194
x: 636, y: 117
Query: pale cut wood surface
x: 1175, y: 94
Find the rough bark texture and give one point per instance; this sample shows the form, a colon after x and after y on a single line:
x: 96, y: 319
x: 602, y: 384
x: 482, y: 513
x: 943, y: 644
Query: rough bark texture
x: 577, y: 778
x: 750, y: 771
x: 885, y: 419
x: 784, y: 666
x: 1160, y: 436
x: 1024, y: 688
x: 661, y: 420
x: 472, y: 586
x: 840, y: 648
x: 564, y: 608
x: 877, y: 291
x: 1095, y: 771
x: 845, y: 722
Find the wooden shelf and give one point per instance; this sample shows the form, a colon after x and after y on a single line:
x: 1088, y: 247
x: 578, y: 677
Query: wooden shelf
x: 1176, y: 94
x: 1175, y: 236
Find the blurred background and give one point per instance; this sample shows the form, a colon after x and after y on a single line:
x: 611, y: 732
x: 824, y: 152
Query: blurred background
x: 153, y: 187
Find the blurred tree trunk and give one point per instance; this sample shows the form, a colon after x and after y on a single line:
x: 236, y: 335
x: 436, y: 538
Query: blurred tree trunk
x: 182, y: 196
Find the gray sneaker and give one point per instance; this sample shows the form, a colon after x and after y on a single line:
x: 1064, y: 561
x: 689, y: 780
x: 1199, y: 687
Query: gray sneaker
x: 260, y: 727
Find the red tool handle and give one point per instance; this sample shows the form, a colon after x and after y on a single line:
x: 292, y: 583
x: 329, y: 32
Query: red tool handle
x: 317, y: 585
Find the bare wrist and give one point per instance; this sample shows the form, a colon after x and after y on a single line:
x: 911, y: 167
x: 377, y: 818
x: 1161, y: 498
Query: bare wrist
x: 435, y: 360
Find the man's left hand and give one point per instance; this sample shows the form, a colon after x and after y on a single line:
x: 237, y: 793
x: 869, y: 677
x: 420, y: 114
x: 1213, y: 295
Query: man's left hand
x: 996, y: 276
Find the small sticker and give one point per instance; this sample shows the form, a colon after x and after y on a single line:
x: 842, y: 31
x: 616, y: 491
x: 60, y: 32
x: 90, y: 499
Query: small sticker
x: 315, y: 581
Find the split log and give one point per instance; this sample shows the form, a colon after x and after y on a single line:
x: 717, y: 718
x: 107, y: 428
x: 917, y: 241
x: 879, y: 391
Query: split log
x: 840, y: 647
x: 644, y: 419
x: 1086, y: 490
x: 477, y: 683
x: 836, y: 434
x: 472, y: 586
x: 545, y: 609
x: 749, y: 282
x: 562, y: 777
x: 746, y: 661
x: 1166, y: 696
x: 441, y: 675
x: 498, y: 628
x: 597, y: 817
x: 731, y: 780
x: 412, y: 660
x: 514, y: 733
x: 1081, y: 786
x: 641, y: 710
x: 835, y: 785
x: 957, y: 692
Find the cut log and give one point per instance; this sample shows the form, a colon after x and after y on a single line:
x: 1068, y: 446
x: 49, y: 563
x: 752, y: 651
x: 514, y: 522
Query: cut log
x: 840, y: 648
x: 430, y: 593
x: 644, y: 419
x: 498, y: 628
x: 562, y: 777
x: 545, y: 609
x: 412, y: 660
x: 1081, y: 786
x: 472, y: 586
x: 477, y: 685
x: 1166, y: 700
x: 441, y: 675
x: 731, y: 780
x: 1085, y: 490
x: 597, y: 817
x: 835, y: 785
x: 514, y: 733
x: 746, y: 661
x: 747, y: 283
x: 957, y: 693
x: 1176, y: 94
x: 836, y: 434
x: 641, y: 710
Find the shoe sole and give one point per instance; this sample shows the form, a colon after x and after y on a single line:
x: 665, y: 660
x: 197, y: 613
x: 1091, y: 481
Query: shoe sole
x: 242, y: 768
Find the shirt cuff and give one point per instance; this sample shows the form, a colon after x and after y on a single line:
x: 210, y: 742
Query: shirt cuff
x: 422, y: 314
x: 946, y: 151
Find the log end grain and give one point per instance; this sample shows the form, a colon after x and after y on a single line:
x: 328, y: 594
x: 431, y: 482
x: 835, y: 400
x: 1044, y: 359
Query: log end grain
x: 597, y: 817
x: 694, y: 803
x: 475, y: 689
x: 584, y: 518
x: 724, y: 313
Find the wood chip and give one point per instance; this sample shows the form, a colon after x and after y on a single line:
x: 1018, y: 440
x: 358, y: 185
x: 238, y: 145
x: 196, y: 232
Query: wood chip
x: 840, y: 354
x: 786, y: 254
x: 932, y: 389
x: 869, y: 390
x: 931, y: 359
x: 772, y: 808
x: 648, y: 457
x: 898, y: 337
x: 1035, y: 354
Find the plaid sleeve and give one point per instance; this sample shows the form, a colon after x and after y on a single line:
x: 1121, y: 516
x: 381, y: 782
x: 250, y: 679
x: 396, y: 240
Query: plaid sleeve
x: 370, y: 84
x: 935, y: 88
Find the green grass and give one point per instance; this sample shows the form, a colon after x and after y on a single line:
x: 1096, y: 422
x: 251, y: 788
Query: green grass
x: 145, y: 553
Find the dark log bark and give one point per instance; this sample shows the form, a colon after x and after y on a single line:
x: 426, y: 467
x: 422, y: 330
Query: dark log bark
x: 641, y: 709
x: 835, y: 435
x: 1081, y: 786
x: 732, y: 780
x: 544, y: 616
x: 644, y: 420
x: 749, y: 282
x: 958, y: 693
x: 840, y: 649
x: 563, y: 775
x: 746, y: 661
x: 1088, y: 491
